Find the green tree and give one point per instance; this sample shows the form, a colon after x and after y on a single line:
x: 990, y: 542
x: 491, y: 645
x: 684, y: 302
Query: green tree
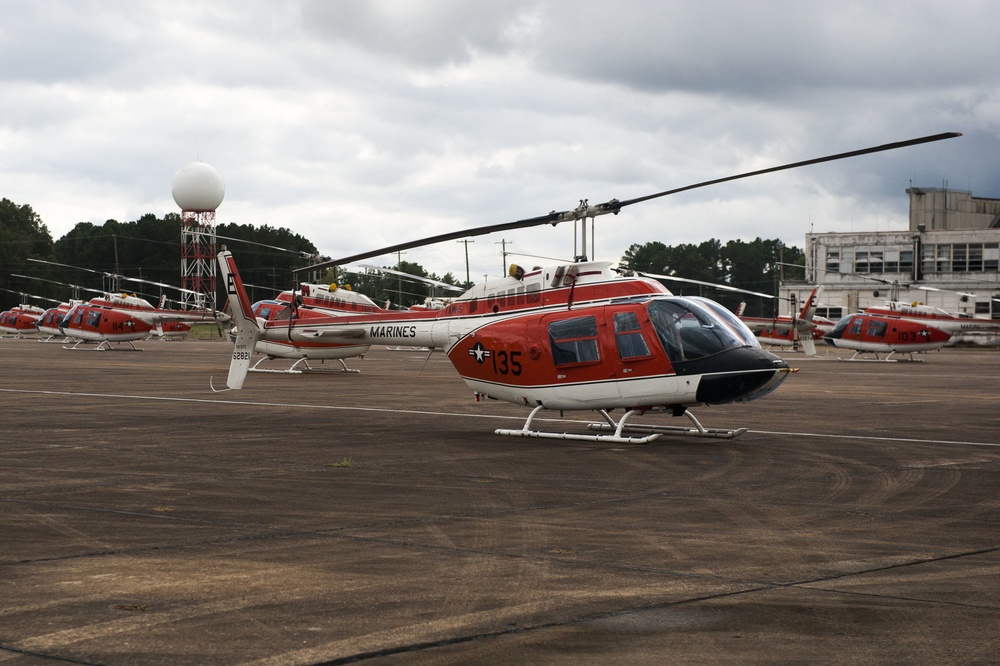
x: 757, y: 266
x: 22, y: 235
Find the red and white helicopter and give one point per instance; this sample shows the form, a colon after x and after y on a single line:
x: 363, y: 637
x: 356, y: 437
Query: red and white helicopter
x: 933, y: 316
x: 115, y: 317
x: 48, y: 323
x: 575, y: 336
x: 803, y: 329
x: 309, y: 302
x: 867, y: 333
x: 900, y: 327
x: 20, y: 320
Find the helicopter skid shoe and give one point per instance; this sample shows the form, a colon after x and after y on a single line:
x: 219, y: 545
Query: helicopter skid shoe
x: 617, y: 438
x: 697, y: 431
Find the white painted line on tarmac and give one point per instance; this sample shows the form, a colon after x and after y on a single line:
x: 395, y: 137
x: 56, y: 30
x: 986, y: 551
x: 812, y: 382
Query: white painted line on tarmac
x: 874, y: 438
x: 122, y: 396
x: 253, y: 403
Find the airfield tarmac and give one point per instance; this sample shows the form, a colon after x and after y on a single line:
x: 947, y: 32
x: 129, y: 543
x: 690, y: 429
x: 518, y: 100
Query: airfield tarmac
x: 376, y: 518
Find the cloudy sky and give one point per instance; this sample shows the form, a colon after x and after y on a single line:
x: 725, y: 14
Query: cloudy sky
x: 362, y: 124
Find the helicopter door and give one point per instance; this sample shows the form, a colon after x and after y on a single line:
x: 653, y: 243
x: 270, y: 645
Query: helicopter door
x: 635, y: 353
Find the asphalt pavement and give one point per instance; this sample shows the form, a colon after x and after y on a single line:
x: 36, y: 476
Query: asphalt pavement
x: 375, y: 517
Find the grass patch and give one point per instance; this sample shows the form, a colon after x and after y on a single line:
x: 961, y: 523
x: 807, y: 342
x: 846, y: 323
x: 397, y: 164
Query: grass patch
x: 207, y: 331
x: 346, y: 462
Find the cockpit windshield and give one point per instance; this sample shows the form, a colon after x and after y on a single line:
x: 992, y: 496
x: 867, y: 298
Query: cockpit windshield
x: 690, y: 330
x: 838, y: 330
x: 735, y: 323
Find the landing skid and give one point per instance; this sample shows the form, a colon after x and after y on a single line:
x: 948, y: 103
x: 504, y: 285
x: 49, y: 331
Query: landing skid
x: 105, y: 345
x: 859, y: 358
x: 304, y: 362
x: 621, y: 427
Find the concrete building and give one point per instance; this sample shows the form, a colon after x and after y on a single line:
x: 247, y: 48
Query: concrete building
x: 949, y: 258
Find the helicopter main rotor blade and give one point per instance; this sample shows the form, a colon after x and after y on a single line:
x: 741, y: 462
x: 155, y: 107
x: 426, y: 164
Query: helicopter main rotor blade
x: 112, y: 275
x: 159, y: 284
x: 552, y: 218
x: 62, y: 284
x: 716, y: 285
x: 584, y: 210
x: 796, y: 165
x: 418, y: 278
x: 79, y: 268
x: 25, y: 295
x: 302, y: 254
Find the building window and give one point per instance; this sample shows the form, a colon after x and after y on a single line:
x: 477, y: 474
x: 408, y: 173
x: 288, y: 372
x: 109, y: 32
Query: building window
x: 927, y: 258
x: 833, y: 260
x: 834, y: 314
x: 991, y: 256
x: 875, y: 263
x: 960, y: 257
x: 891, y: 264
x: 906, y: 261
x: 942, y: 262
x: 861, y: 261
x: 976, y: 257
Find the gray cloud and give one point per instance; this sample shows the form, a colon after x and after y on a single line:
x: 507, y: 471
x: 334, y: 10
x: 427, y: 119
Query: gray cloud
x: 360, y: 124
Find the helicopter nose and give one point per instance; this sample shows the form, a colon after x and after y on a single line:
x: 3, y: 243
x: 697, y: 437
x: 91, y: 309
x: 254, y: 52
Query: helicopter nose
x: 736, y: 375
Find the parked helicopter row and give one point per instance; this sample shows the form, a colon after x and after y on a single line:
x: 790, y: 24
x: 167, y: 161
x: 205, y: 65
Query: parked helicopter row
x: 574, y: 336
x: 107, y: 319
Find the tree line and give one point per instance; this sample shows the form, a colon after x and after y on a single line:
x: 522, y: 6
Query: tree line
x: 760, y: 265
x: 149, y: 249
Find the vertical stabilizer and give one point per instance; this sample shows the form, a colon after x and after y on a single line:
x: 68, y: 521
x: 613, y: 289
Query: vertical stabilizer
x: 806, y: 317
x: 247, y: 329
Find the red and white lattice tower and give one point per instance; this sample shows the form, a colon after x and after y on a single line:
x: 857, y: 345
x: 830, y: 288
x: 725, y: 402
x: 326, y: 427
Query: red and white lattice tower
x: 198, y: 190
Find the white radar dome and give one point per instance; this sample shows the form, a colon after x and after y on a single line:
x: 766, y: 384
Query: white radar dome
x: 198, y: 187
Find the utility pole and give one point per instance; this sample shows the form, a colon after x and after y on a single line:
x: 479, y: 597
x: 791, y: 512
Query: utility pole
x: 503, y: 244
x: 466, y: 241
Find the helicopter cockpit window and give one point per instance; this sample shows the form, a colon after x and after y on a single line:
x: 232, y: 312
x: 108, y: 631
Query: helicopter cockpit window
x: 689, y: 330
x: 876, y: 328
x: 631, y: 343
x: 574, y: 341
x: 271, y: 310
